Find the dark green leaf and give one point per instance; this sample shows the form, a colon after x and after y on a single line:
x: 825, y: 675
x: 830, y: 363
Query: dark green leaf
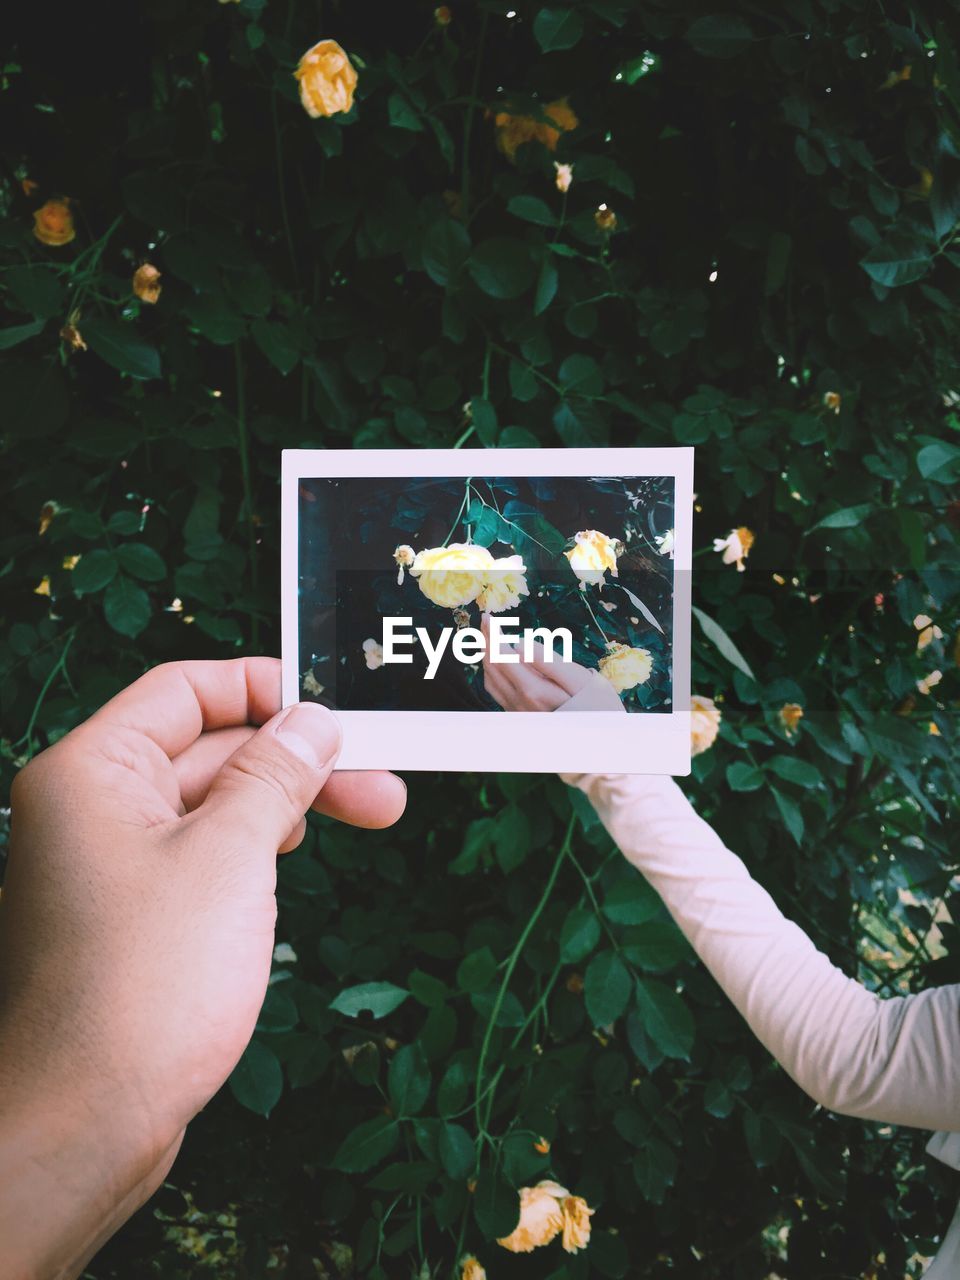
x: 496, y: 1205
x: 458, y: 1155
x: 606, y: 988
x: 94, y: 571
x: 557, y: 29
x: 367, y: 1145
x: 257, y: 1080
x: 121, y: 346
x: 502, y: 267
x: 126, y: 606
x: 665, y: 1017
x: 141, y: 561
x: 379, y: 998
x: 579, y: 935
x: 719, y: 638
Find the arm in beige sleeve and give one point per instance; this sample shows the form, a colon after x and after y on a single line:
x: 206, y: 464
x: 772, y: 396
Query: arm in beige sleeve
x: 895, y: 1060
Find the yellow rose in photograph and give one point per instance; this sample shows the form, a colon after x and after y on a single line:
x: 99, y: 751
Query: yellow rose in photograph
x: 504, y: 585
x: 327, y: 80
x: 576, y: 1223
x: 53, y: 223
x: 625, y: 666
x: 454, y: 575
x: 704, y: 723
x: 541, y: 1218
x: 592, y: 555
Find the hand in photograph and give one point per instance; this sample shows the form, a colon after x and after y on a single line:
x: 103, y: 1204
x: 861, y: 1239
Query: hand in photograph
x: 543, y: 685
x: 137, y: 930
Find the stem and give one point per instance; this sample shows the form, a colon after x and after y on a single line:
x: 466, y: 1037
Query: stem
x: 468, y: 120
x: 583, y: 597
x: 57, y: 667
x: 463, y: 504
x: 244, y: 449
x: 511, y: 965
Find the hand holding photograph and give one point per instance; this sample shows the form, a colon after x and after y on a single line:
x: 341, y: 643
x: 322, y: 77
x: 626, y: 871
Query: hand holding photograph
x: 420, y: 588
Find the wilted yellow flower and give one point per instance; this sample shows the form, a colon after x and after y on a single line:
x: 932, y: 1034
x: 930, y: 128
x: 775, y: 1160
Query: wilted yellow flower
x: 575, y: 984
x: 593, y: 553
x: 47, y: 512
x: 146, y: 283
x: 53, y: 223
x: 471, y: 1269
x: 605, y: 219
x: 514, y: 130
x: 934, y: 728
x: 625, y: 666
x: 541, y: 1217
x: 929, y: 682
x: 928, y: 629
x: 542, y: 1146
x: 897, y: 77
x: 373, y: 653
x: 404, y: 557
x: 832, y: 400
x: 735, y: 546
x: 454, y: 575
x: 503, y: 585
x: 72, y: 336
x: 43, y: 587
x: 28, y: 186
x: 791, y: 713
x: 70, y: 562
x: 442, y: 15
x: 705, y: 719
x: 327, y: 80
x: 564, y: 177
x: 576, y: 1223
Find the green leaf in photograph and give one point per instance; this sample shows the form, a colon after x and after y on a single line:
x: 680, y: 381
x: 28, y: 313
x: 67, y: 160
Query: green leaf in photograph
x: 557, y: 28
x: 126, y: 606
x: 502, y: 267
x: 121, y: 345
x: 15, y: 334
x: 720, y: 35
x: 367, y: 1145
x: 579, y: 935
x: 722, y: 642
x: 140, y: 561
x: 496, y: 1205
x: 376, y: 998
x: 257, y: 1080
x: 94, y: 570
x: 665, y: 1017
x: 408, y: 1081
x: 897, y: 261
x: 607, y: 986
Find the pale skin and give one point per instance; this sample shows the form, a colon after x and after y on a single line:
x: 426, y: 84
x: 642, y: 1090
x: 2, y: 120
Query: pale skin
x: 543, y: 685
x: 136, y: 935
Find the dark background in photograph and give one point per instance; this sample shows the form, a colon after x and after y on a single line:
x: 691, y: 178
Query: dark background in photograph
x: 349, y: 529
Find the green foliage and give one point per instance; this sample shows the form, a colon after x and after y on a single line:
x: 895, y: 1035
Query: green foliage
x: 786, y: 204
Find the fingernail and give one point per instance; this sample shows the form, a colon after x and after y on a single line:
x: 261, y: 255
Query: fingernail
x: 310, y: 732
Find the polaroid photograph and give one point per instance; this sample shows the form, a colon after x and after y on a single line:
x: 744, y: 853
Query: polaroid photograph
x: 492, y: 609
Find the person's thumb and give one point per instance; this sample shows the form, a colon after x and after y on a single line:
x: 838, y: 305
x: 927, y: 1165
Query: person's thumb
x: 267, y: 785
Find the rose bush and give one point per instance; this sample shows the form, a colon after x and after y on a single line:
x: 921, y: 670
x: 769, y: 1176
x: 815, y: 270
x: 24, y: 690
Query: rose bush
x: 752, y: 250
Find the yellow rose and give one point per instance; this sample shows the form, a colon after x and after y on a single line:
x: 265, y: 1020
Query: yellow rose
x: 704, y: 723
x: 626, y: 667
x: 735, y: 546
x: 472, y: 1270
x: 791, y: 713
x: 503, y: 585
x: 576, y: 1223
x: 541, y: 1217
x: 928, y: 629
x: 514, y: 130
x: 327, y: 80
x: 146, y: 283
x: 373, y: 653
x: 454, y: 575
x: 592, y: 555
x: 53, y: 223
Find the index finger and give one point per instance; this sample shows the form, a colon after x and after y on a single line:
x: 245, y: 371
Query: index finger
x: 174, y: 703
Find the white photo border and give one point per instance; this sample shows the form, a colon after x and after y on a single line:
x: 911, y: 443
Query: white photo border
x: 519, y: 741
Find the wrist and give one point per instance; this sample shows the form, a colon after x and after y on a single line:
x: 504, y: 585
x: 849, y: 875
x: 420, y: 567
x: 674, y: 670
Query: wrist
x: 73, y: 1164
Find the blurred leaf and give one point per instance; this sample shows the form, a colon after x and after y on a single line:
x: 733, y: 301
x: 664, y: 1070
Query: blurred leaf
x: 367, y: 1145
x: 557, y: 28
x: 257, y: 1080
x: 122, y: 347
x: 377, y: 998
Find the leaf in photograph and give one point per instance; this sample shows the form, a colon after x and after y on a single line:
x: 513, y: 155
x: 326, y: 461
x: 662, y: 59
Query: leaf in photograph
x: 367, y: 1145
x: 121, y: 346
x: 606, y: 988
x: 257, y: 1080
x: 557, y: 28
x: 666, y: 1018
x: 376, y: 998
x: 639, y: 605
x: 722, y: 642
